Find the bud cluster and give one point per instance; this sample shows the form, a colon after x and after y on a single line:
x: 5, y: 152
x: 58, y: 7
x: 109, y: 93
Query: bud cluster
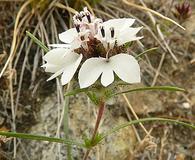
x: 183, y: 10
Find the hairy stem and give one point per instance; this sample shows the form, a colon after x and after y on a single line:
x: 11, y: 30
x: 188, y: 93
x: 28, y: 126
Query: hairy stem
x: 98, y: 120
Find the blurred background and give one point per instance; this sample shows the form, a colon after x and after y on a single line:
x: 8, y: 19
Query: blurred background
x: 29, y: 104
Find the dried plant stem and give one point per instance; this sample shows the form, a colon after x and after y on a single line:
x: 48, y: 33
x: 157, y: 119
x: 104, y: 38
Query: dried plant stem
x: 12, y: 51
x: 134, y: 114
x: 97, y: 124
x: 152, y: 11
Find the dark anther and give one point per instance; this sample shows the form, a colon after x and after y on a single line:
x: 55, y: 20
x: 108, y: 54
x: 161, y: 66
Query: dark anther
x: 88, y: 17
x: 77, y: 28
x: 82, y: 38
x: 79, y: 17
x: 82, y: 14
x: 112, y: 32
x: 102, y: 31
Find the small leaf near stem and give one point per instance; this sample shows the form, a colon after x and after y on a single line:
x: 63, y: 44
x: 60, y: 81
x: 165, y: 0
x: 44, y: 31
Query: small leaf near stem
x: 153, y: 119
x: 164, y: 88
x: 145, y: 52
x: 37, y: 41
x: 41, y: 138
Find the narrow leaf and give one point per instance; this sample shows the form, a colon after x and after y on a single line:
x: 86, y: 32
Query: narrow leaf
x: 162, y: 120
x: 164, y: 88
x: 40, y: 138
x: 76, y: 91
x: 37, y: 41
x: 149, y: 50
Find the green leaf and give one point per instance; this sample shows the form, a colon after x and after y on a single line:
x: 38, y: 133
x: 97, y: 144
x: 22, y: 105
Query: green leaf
x: 89, y: 143
x: 37, y: 41
x: 40, y: 138
x: 76, y: 91
x: 92, y: 96
x: 164, y: 88
x: 149, y: 50
x: 147, y: 120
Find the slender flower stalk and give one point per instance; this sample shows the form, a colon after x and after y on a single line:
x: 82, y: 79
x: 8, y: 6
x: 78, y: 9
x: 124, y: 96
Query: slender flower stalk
x: 97, y: 124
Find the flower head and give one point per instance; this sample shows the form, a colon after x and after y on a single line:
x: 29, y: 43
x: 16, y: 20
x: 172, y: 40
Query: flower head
x: 117, y: 32
x: 85, y: 28
x: 112, y: 34
x: 96, y: 47
x: 183, y: 10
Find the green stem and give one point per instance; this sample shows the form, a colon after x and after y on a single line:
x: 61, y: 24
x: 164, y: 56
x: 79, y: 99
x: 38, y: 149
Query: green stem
x: 98, y: 120
x: 66, y: 126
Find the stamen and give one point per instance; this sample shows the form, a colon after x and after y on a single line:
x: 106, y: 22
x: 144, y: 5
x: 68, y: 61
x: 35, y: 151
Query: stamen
x: 77, y: 26
x: 88, y: 17
x: 82, y: 14
x: 82, y: 38
x: 102, y: 31
x: 112, y: 32
x: 79, y: 17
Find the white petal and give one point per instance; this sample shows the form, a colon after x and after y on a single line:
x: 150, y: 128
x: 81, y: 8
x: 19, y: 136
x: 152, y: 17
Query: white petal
x: 55, y: 56
x: 55, y: 74
x: 70, y: 69
x: 107, y: 76
x: 119, y: 23
x: 90, y: 72
x: 76, y: 43
x: 68, y: 36
x: 126, y: 67
x: 60, y: 45
x: 128, y: 35
x: 52, y: 68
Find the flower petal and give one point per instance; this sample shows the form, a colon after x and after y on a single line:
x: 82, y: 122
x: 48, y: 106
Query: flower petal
x: 90, y: 72
x: 119, y: 23
x: 107, y: 76
x: 128, y: 35
x: 55, y: 74
x: 62, y: 60
x: 55, y: 56
x: 60, y: 45
x: 126, y: 67
x: 52, y: 68
x: 70, y: 69
x: 68, y: 36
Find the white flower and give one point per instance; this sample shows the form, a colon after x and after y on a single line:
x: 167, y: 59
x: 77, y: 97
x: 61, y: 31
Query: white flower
x: 117, y: 31
x: 86, y: 26
x: 125, y: 66
x: 97, y: 44
x: 112, y: 33
x: 62, y: 61
x: 72, y: 39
